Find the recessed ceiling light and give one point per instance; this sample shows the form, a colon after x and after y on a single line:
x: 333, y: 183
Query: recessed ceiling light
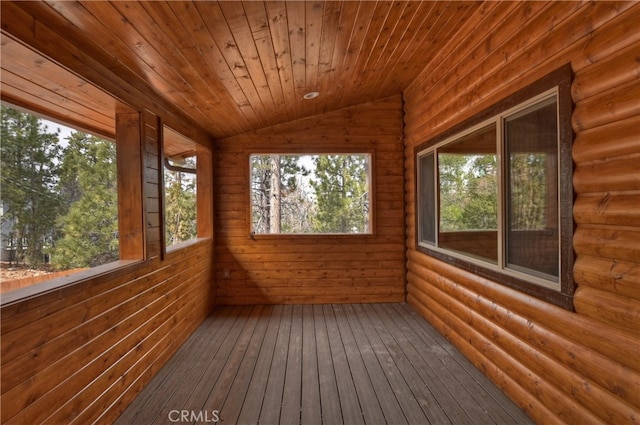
x: 311, y: 95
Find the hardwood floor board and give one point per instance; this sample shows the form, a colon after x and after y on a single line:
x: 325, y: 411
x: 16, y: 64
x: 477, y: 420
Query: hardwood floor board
x: 270, y: 411
x: 371, y: 410
x: 250, y: 412
x: 386, y: 397
x: 391, y: 367
x: 180, y: 369
x: 236, y: 394
x: 472, y: 395
x: 329, y: 400
x: 326, y: 364
x: 406, y: 357
x: 347, y: 395
x: 243, y: 354
x: 441, y: 380
x: 291, y: 395
x: 142, y: 409
x: 311, y: 410
x: 194, y: 396
x: 442, y: 405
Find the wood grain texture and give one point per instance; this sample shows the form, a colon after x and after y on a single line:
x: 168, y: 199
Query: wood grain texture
x: 588, y: 147
x: 131, y: 222
x: 314, y: 269
x: 233, y: 67
x: 31, y: 81
x: 77, y: 349
x: 613, y: 275
x: 80, y: 352
x: 497, y: 327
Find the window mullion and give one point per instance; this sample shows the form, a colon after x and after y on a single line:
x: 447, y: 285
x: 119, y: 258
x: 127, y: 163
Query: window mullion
x: 436, y: 200
x: 502, y: 190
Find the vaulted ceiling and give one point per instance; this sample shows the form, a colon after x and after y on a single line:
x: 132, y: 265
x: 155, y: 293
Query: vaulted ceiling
x: 231, y: 67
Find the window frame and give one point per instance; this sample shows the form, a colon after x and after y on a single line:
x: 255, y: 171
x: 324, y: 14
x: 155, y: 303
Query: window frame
x: 314, y: 152
x: 131, y: 226
x: 203, y: 175
x: 557, y: 82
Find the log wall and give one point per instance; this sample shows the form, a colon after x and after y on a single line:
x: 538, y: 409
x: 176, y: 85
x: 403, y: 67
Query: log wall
x: 559, y: 366
x: 78, y: 349
x: 314, y: 269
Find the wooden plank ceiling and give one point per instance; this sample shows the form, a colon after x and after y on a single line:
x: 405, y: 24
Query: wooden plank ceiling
x: 234, y: 67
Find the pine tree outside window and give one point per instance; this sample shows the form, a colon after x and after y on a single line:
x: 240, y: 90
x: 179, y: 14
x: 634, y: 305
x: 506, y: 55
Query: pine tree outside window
x: 180, y: 188
x: 311, y: 194
x: 494, y: 194
x: 59, y: 199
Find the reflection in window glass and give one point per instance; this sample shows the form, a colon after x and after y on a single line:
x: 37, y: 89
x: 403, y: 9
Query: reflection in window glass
x: 467, y: 177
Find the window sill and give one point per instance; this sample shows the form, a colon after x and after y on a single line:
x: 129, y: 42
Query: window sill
x: 310, y: 236
x: 42, y: 288
x: 186, y: 244
x: 528, y: 285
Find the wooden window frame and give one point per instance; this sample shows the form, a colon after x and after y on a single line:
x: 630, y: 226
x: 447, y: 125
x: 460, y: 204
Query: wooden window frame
x: 562, y: 294
x: 204, y: 194
x: 131, y: 222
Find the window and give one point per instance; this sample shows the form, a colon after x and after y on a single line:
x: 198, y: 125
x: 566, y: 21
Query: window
x: 59, y: 199
x: 310, y: 194
x: 490, y: 197
x: 180, y: 188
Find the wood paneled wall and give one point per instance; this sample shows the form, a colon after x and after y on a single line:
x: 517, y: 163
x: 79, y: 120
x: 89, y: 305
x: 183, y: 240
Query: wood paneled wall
x: 314, y: 269
x: 81, y: 351
x: 560, y: 366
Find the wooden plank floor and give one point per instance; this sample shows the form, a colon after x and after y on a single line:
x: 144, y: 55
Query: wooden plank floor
x: 320, y: 364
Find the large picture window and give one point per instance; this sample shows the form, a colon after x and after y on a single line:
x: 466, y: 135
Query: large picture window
x: 63, y: 195
x: 310, y: 194
x: 490, y: 196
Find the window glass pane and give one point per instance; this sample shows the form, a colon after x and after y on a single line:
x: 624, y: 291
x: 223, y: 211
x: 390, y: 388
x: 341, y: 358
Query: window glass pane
x: 427, y: 199
x: 59, y: 200
x: 467, y: 178
x: 309, y: 194
x: 180, y: 197
x: 531, y: 143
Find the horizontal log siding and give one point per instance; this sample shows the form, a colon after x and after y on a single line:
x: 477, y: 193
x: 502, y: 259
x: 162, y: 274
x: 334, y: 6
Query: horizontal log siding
x: 314, y: 269
x: 560, y: 366
x: 82, y: 352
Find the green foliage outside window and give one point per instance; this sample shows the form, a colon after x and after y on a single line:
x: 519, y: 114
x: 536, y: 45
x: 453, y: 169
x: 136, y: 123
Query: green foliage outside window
x: 468, y: 192
x: 29, y: 196
x: 310, y: 194
x: 342, y: 192
x: 87, y: 227
x: 180, y: 205
x: 59, y: 197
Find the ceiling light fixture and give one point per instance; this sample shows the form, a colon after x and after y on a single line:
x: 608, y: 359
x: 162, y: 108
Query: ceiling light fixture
x: 311, y: 95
